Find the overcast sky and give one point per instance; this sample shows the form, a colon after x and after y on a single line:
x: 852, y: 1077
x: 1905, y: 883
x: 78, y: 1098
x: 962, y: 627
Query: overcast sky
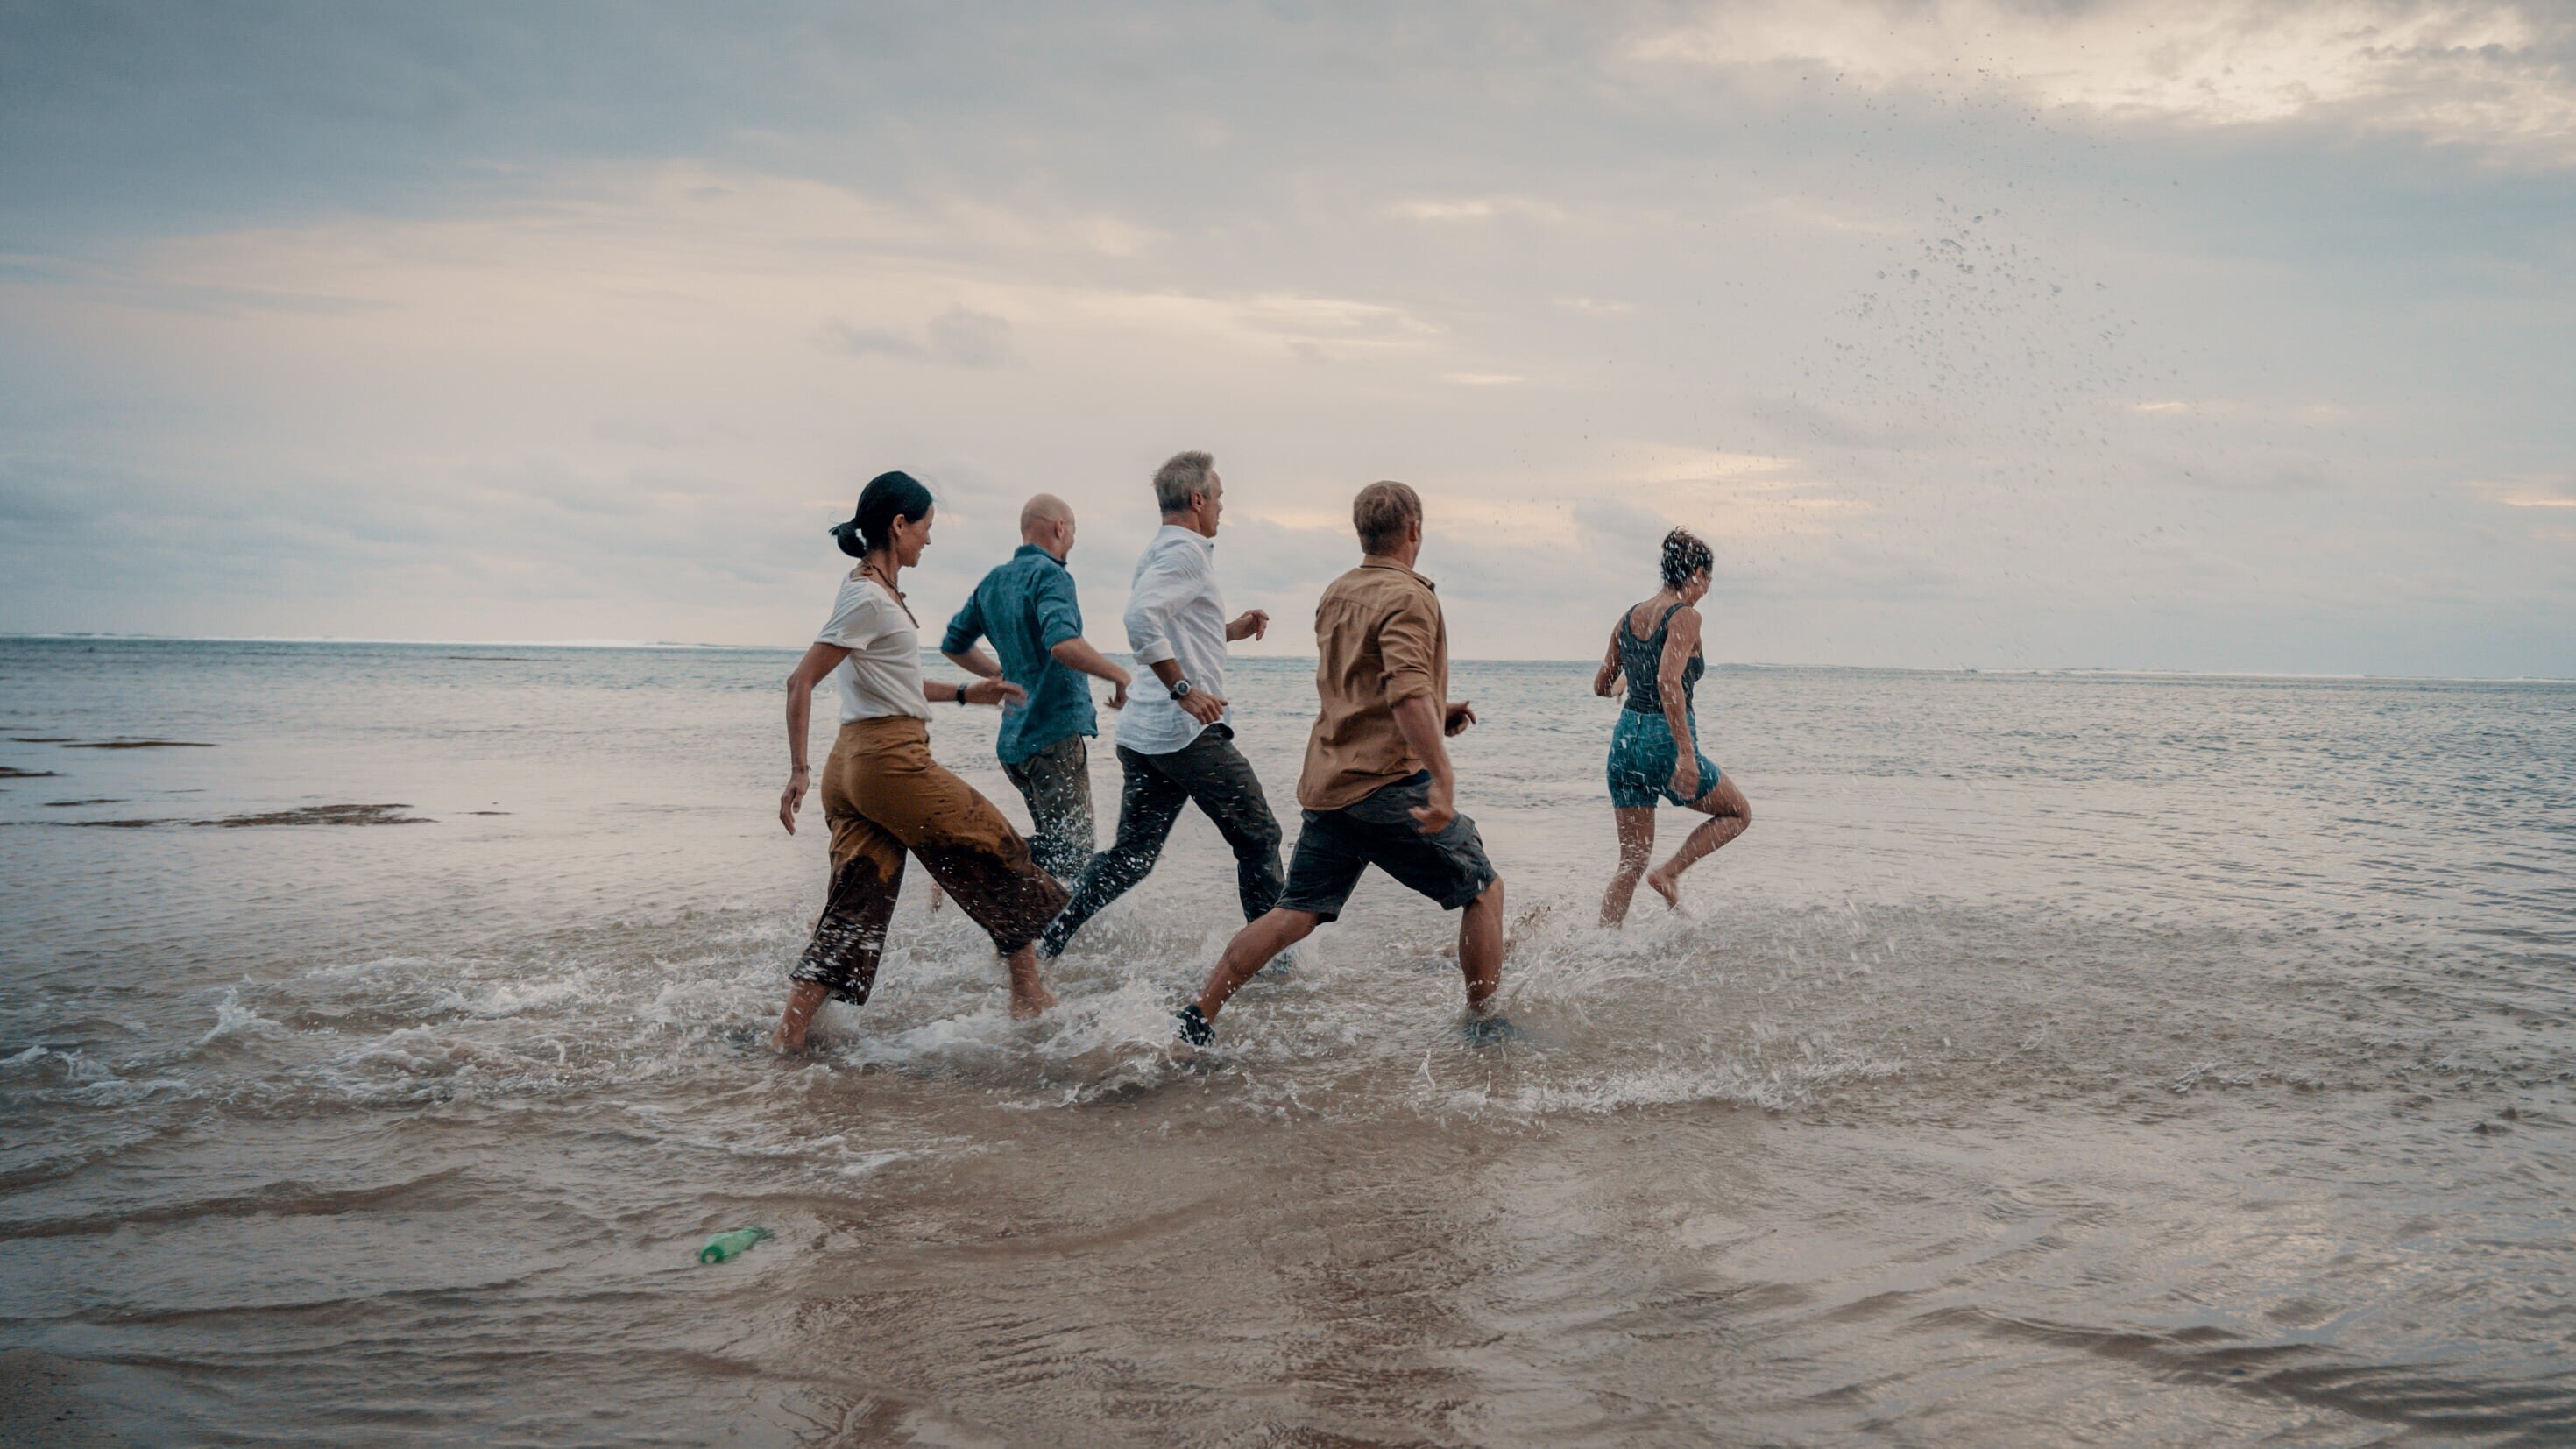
x: 2147, y: 335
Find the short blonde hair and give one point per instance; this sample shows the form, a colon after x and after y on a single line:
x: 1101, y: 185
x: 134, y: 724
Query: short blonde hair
x: 1382, y: 513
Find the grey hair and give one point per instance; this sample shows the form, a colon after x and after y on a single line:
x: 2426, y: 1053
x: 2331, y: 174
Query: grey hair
x: 1183, y: 475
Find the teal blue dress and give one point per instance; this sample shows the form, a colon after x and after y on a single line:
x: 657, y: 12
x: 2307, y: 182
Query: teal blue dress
x: 1642, y: 752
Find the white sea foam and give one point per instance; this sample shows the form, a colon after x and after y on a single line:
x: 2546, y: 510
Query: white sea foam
x: 232, y: 1019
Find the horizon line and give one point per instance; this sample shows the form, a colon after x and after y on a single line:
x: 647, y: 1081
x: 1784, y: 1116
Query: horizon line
x: 680, y: 646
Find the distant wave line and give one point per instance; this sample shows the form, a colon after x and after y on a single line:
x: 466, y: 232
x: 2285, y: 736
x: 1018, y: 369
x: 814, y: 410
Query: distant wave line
x: 2033, y: 671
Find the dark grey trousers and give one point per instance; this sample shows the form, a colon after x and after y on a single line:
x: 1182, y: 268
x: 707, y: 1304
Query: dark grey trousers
x: 1208, y: 772
x: 1056, y: 783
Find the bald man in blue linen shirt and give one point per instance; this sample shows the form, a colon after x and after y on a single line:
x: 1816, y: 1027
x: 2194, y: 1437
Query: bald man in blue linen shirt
x: 1029, y: 609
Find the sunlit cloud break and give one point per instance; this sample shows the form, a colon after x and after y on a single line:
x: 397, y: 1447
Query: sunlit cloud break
x: 2488, y: 75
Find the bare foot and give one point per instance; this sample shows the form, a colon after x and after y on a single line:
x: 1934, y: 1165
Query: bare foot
x: 1668, y: 888
x: 1029, y: 994
x: 803, y: 1000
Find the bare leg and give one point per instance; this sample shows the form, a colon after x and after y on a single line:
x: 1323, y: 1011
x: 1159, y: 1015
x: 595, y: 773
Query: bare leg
x: 1636, y: 848
x: 1480, y: 947
x: 1251, y: 949
x: 1029, y: 994
x: 1730, y: 814
x: 803, y: 1000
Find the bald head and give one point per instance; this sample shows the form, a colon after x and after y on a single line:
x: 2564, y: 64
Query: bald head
x: 1042, y: 510
x: 1047, y: 521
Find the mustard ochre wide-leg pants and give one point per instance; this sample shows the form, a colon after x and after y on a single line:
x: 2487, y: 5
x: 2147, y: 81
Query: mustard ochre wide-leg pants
x: 884, y: 796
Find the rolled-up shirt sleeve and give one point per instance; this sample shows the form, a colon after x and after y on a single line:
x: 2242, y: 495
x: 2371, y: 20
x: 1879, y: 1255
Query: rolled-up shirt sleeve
x: 1407, y: 650
x: 1160, y: 587
x: 1059, y: 612
x: 967, y: 627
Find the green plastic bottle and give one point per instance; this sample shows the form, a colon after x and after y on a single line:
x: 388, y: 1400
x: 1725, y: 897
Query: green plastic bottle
x: 724, y: 1247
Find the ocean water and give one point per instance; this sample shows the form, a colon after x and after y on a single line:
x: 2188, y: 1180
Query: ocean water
x: 2056, y: 1059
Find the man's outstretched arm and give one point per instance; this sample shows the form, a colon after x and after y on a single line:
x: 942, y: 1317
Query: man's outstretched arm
x: 962, y: 644
x: 1077, y: 653
x: 974, y: 661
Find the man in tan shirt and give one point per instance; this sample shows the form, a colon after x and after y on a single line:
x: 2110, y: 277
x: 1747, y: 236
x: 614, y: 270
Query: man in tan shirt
x: 1377, y: 787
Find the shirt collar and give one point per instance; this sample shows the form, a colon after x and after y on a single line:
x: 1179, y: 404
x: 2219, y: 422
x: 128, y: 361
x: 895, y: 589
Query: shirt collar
x: 1374, y: 561
x: 1026, y: 549
x: 1174, y: 530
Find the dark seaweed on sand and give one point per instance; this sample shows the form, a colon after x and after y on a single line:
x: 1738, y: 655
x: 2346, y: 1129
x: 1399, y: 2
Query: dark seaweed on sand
x: 301, y: 815
x: 139, y: 745
x: 326, y: 815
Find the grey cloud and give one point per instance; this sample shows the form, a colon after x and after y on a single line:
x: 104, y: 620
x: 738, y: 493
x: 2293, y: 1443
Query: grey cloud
x: 1844, y: 425
x: 1620, y: 526
x: 665, y: 434
x: 1267, y: 560
x: 158, y: 294
x: 55, y: 496
x: 216, y: 301
x: 970, y: 339
x: 958, y: 337
x: 123, y: 542
x: 857, y: 341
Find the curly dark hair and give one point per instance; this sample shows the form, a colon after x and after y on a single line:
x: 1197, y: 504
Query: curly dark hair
x: 1684, y: 555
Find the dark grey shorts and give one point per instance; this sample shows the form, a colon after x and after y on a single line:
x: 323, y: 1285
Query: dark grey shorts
x: 1336, y: 846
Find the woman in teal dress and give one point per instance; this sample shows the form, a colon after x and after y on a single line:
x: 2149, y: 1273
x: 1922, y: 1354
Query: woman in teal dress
x: 1657, y: 647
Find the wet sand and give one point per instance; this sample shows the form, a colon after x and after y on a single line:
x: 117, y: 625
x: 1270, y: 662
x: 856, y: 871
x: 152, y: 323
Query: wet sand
x: 42, y: 1402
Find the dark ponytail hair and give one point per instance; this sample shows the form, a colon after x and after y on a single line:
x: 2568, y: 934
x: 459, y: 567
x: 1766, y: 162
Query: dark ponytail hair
x: 1684, y: 555
x: 887, y: 497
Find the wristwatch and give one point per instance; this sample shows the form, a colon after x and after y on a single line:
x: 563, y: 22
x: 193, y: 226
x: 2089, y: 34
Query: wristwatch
x: 1181, y: 690
x: 960, y: 696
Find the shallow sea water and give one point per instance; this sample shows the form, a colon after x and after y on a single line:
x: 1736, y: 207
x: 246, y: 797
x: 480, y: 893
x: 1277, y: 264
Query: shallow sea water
x: 2057, y: 1059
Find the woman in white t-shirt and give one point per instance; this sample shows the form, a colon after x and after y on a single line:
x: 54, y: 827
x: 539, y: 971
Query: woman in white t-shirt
x: 882, y: 793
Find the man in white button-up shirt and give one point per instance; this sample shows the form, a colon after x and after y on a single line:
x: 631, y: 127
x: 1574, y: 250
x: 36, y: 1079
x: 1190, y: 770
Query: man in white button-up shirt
x: 1176, y: 741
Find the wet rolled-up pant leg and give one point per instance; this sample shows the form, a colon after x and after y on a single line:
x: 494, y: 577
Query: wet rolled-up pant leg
x: 867, y: 875
x: 1056, y: 783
